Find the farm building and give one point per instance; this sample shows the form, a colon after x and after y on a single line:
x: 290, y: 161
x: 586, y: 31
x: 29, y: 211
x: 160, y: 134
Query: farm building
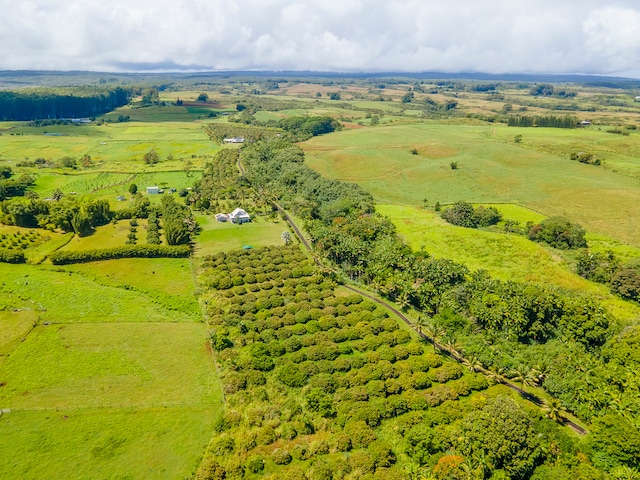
x: 222, y: 217
x: 153, y: 190
x: 234, y: 140
x: 239, y: 216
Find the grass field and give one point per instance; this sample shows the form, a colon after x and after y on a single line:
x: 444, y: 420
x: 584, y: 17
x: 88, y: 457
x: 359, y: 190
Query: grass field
x: 15, y: 325
x: 113, y: 147
x: 160, y: 442
x: 489, y: 170
x: 503, y: 256
x: 60, y: 296
x: 222, y: 237
x: 89, y: 365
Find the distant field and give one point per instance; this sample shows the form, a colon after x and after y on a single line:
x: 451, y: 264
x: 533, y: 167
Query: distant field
x: 107, y: 236
x: 489, y: 170
x: 222, y: 237
x: 112, y: 146
x: 503, y: 256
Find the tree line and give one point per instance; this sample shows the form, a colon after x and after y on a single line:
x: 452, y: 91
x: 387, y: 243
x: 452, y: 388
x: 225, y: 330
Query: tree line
x: 37, y: 104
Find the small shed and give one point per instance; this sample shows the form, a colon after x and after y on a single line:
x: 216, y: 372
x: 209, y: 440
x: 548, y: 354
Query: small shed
x: 222, y: 217
x: 239, y: 216
x: 234, y: 140
x: 153, y: 190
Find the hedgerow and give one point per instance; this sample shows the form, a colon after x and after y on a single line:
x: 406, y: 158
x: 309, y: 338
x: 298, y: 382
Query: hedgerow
x: 63, y: 257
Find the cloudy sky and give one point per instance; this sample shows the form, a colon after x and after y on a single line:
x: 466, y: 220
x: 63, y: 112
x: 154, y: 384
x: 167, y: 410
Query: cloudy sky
x: 494, y: 36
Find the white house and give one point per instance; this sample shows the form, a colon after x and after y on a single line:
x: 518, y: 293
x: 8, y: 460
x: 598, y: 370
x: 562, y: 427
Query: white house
x: 222, y: 217
x: 239, y: 216
x: 234, y: 140
x: 153, y: 190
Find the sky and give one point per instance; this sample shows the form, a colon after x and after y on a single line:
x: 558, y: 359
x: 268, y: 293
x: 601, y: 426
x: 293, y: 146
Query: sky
x: 489, y: 36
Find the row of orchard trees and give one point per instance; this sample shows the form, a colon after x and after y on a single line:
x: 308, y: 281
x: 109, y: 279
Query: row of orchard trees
x: 37, y: 104
x: 505, y: 326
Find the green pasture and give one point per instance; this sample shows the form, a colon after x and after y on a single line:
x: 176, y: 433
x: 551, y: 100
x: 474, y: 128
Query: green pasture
x: 503, y: 256
x: 489, y: 170
x: 14, y: 326
x: 107, y: 236
x: 159, y: 442
x: 112, y: 146
x: 88, y: 365
x: 170, y: 113
x: 224, y: 236
x: 171, y: 276
x: 62, y: 296
x: 617, y: 152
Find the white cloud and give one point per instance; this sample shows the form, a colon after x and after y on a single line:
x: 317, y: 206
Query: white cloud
x: 562, y: 36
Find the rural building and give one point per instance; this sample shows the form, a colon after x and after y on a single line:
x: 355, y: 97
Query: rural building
x: 121, y: 198
x: 638, y: 98
x: 222, y: 217
x: 585, y: 123
x: 234, y: 140
x: 239, y: 216
x: 153, y: 190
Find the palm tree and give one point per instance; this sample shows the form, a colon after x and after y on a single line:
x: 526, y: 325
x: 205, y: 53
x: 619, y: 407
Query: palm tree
x: 523, y: 375
x: 435, y: 331
x: 624, y: 473
x: 472, y: 363
x: 421, y: 323
x: 554, y: 410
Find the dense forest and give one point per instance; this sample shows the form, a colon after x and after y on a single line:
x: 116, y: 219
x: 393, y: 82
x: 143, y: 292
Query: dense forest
x: 35, y: 104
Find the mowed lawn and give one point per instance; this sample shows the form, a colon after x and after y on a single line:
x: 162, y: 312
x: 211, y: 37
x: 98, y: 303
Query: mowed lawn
x: 489, y: 170
x: 224, y: 236
x: 503, y: 256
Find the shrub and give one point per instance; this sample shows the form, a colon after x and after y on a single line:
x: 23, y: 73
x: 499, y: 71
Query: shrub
x: 319, y: 447
x: 291, y: 375
x: 280, y: 456
x: 11, y: 256
x: 255, y: 464
x: 301, y: 452
x: 130, y: 251
x: 559, y: 232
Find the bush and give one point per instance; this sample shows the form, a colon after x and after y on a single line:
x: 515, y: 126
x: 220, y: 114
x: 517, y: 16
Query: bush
x: 11, y: 256
x: 291, y: 375
x: 255, y: 464
x: 130, y: 251
x: 559, y: 232
x: 280, y: 456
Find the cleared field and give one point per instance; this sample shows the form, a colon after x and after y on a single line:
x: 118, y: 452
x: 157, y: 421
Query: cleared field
x: 14, y: 326
x: 60, y: 296
x: 114, y: 147
x: 503, y: 256
x: 107, y: 236
x: 172, y: 276
x: 488, y: 170
x: 222, y: 237
x: 109, y: 365
x: 105, y: 443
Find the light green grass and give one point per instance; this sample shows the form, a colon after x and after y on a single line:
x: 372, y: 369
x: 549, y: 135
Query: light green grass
x: 106, y: 443
x: 64, y: 297
x: 14, y: 326
x: 107, y: 236
x: 503, y: 256
x: 222, y: 237
x: 117, y: 147
x: 489, y: 170
x: 109, y: 365
x: 169, y: 275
